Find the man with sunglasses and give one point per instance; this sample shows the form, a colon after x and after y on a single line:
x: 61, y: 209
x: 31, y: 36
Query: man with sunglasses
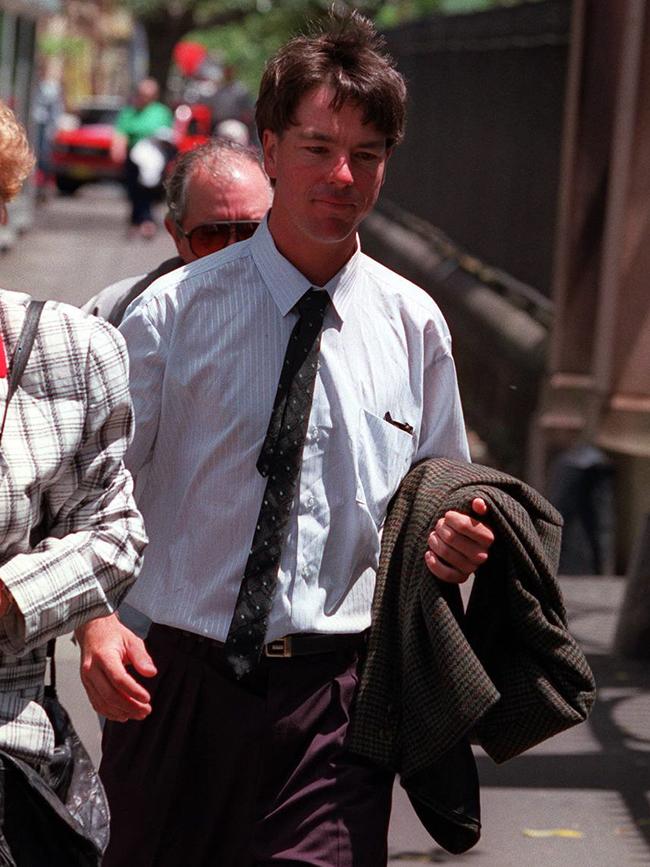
x: 216, y: 195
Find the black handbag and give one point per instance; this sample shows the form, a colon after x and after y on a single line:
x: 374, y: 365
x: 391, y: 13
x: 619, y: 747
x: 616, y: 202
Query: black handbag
x: 56, y: 816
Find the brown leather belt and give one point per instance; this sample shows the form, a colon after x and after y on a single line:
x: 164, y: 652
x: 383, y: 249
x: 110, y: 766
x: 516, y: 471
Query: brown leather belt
x: 299, y: 644
x: 304, y: 643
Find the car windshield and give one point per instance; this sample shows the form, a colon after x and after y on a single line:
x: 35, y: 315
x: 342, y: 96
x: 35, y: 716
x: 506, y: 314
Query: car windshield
x: 98, y: 114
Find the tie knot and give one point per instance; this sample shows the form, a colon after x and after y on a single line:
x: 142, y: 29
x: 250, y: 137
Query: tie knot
x: 314, y: 302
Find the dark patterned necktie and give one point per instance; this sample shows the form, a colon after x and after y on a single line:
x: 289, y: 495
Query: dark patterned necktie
x: 279, y: 462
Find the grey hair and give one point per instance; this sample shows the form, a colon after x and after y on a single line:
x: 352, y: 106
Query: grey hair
x: 218, y: 157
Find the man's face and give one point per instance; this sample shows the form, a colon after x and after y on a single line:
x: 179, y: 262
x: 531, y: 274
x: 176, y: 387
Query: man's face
x: 245, y: 195
x: 146, y: 92
x: 328, y: 167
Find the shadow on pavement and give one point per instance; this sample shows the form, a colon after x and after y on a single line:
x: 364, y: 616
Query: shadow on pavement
x: 591, y: 782
x: 619, y: 723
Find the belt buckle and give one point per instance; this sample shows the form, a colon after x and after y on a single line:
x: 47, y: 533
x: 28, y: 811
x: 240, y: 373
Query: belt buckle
x: 279, y: 649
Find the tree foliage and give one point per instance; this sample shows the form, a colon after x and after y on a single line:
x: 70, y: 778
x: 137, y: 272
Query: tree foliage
x: 246, y: 32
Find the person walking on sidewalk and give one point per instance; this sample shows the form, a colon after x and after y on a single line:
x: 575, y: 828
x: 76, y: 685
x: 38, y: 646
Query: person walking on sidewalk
x: 141, y: 120
x: 283, y: 389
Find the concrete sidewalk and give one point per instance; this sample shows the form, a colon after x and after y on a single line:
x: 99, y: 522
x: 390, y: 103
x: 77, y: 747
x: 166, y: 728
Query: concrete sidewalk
x: 588, y: 789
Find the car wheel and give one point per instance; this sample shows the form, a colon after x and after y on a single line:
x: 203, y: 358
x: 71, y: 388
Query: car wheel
x: 67, y: 186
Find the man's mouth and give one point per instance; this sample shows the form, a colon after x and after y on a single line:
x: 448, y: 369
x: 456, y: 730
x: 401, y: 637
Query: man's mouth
x: 337, y: 203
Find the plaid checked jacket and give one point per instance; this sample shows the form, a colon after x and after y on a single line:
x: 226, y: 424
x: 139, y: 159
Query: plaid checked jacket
x: 71, y: 537
x: 507, y: 672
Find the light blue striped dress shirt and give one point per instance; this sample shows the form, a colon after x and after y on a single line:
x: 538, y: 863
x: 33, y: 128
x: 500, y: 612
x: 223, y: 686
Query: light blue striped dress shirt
x: 206, y: 345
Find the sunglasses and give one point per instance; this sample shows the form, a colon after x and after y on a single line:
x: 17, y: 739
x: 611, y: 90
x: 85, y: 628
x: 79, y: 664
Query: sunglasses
x: 210, y: 237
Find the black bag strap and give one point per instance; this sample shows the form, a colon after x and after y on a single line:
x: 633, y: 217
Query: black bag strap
x: 21, y: 353
x: 50, y: 688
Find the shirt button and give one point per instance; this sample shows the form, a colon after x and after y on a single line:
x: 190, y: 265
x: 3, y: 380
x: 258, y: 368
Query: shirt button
x: 313, y: 432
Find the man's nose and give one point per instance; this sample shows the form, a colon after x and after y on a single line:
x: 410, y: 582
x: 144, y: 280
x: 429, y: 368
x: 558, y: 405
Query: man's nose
x: 342, y: 173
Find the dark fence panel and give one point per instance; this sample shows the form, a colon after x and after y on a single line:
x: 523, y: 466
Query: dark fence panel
x: 482, y: 152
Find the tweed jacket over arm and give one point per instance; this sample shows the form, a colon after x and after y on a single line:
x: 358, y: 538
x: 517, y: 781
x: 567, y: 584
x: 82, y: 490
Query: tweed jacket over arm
x: 71, y: 537
x: 508, y: 672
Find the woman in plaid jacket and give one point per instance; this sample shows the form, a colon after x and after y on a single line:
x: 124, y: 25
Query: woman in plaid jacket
x: 71, y: 538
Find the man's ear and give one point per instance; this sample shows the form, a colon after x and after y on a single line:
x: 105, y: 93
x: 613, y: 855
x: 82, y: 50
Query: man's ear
x: 269, y: 149
x: 3, y: 214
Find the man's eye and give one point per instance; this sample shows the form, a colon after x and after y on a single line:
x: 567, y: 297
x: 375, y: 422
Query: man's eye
x: 367, y: 156
x: 316, y: 149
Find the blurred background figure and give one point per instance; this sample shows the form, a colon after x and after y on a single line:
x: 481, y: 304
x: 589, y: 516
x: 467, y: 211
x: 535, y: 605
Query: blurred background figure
x: 233, y: 101
x: 143, y: 121
x: 233, y: 130
x: 47, y: 108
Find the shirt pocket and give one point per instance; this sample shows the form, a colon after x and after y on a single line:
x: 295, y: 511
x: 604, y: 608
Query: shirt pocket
x: 384, y: 456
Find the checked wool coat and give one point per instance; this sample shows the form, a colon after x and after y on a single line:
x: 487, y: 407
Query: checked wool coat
x: 506, y: 672
x: 71, y: 537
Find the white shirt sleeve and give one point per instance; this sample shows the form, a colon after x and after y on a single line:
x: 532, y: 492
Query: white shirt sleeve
x: 442, y: 433
x: 147, y: 360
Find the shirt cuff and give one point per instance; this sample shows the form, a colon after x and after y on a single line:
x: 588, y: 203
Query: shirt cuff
x: 13, y: 628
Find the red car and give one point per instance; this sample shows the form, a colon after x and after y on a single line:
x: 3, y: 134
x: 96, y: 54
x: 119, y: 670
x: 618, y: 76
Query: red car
x: 83, y: 154
x: 192, y: 126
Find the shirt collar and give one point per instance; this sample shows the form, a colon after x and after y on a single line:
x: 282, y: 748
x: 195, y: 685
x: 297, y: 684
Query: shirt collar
x: 287, y: 285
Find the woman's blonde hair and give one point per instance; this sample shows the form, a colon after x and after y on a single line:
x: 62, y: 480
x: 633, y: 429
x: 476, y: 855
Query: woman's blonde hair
x: 16, y: 157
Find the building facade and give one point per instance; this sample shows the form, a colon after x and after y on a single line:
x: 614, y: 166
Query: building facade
x: 19, y: 20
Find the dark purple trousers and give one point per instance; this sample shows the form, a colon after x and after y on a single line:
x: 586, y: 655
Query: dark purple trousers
x: 236, y: 774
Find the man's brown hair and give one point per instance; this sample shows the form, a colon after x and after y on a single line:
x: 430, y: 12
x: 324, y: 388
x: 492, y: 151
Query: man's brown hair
x: 349, y: 56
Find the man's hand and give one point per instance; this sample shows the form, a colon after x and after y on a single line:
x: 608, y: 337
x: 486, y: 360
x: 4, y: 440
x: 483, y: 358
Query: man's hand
x: 459, y: 544
x: 107, y: 648
x: 6, y: 600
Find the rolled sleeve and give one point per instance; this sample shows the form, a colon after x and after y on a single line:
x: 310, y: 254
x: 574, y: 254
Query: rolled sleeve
x: 443, y: 432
